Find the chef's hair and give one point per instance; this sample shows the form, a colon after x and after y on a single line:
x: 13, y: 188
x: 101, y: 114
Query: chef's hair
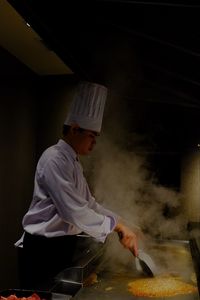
x: 66, y: 128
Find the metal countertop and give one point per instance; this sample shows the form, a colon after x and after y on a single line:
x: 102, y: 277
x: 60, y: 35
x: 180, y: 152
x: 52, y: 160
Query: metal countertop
x: 115, y: 285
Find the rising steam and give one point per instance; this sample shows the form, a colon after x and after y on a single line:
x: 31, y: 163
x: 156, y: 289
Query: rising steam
x: 121, y: 180
x: 123, y: 183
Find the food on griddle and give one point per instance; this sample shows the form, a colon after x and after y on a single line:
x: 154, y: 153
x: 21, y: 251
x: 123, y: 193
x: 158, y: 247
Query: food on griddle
x: 34, y: 296
x: 163, y: 286
x: 109, y: 288
x: 90, y: 280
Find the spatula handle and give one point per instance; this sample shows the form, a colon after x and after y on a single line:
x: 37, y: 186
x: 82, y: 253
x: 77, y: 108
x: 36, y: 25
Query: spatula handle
x: 120, y: 234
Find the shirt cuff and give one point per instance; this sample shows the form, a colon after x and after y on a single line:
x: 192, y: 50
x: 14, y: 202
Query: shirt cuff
x: 113, y: 222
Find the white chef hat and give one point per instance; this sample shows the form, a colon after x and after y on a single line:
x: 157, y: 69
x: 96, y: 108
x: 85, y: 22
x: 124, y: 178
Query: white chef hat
x: 87, y: 107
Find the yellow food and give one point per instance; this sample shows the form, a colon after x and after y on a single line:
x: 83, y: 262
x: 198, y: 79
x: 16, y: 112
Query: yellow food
x: 160, y: 287
x: 109, y: 288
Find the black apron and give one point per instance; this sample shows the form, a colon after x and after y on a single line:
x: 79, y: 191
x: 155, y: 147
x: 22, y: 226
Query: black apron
x: 42, y: 258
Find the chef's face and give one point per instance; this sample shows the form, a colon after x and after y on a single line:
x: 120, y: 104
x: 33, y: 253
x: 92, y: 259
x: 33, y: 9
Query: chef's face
x: 85, y: 141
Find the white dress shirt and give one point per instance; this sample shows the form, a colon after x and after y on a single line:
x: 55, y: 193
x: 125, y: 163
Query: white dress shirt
x: 62, y: 203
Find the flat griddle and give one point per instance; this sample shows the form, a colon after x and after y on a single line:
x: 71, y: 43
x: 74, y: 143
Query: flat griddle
x: 115, y: 285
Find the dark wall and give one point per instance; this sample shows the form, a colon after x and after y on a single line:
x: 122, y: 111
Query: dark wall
x: 33, y: 109
x: 54, y: 94
x: 17, y: 155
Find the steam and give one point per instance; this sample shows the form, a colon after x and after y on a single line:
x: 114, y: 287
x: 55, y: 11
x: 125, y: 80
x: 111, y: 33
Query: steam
x: 124, y: 184
x: 121, y: 179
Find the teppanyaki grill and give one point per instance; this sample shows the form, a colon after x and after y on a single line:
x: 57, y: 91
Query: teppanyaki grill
x: 115, y: 285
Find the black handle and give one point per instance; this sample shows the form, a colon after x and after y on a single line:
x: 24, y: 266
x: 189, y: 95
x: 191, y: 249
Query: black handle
x: 120, y: 234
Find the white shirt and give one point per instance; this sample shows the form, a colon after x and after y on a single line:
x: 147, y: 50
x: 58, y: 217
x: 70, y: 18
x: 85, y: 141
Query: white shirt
x: 62, y: 203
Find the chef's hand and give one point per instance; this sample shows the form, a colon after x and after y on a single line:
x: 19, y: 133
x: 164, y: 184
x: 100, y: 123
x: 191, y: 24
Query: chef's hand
x: 127, y: 238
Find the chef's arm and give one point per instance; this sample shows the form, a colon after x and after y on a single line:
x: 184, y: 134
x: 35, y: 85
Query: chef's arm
x: 127, y: 237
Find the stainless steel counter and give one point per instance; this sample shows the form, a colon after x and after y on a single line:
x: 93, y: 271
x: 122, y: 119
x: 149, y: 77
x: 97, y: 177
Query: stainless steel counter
x: 70, y: 280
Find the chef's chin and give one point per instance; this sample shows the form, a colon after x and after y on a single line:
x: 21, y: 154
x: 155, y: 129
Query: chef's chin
x: 87, y: 152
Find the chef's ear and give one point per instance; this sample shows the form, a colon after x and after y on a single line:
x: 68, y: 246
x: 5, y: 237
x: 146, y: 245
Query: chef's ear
x: 74, y: 128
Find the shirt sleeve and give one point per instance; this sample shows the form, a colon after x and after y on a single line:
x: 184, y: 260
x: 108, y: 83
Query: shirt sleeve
x: 102, y: 210
x: 71, y: 206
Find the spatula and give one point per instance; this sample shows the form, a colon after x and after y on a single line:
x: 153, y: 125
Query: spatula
x: 143, y: 261
x: 145, y: 264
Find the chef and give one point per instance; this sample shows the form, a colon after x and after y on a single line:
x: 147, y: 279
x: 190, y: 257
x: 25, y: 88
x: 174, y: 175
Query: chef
x: 62, y: 206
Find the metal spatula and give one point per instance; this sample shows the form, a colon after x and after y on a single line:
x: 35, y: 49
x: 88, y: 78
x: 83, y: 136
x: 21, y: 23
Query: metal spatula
x: 143, y: 261
x: 145, y: 264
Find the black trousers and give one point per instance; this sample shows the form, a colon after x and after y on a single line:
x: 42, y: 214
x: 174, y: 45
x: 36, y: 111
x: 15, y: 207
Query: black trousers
x: 41, y: 259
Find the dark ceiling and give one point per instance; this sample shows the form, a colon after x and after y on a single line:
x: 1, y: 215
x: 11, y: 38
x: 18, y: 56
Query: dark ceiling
x: 131, y: 45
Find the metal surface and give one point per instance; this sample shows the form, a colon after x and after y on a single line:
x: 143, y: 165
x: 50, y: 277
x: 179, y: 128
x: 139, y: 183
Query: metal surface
x: 195, y: 250
x: 145, y: 263
x: 172, y: 257
x: 87, y: 257
x: 145, y: 268
x: 115, y: 287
